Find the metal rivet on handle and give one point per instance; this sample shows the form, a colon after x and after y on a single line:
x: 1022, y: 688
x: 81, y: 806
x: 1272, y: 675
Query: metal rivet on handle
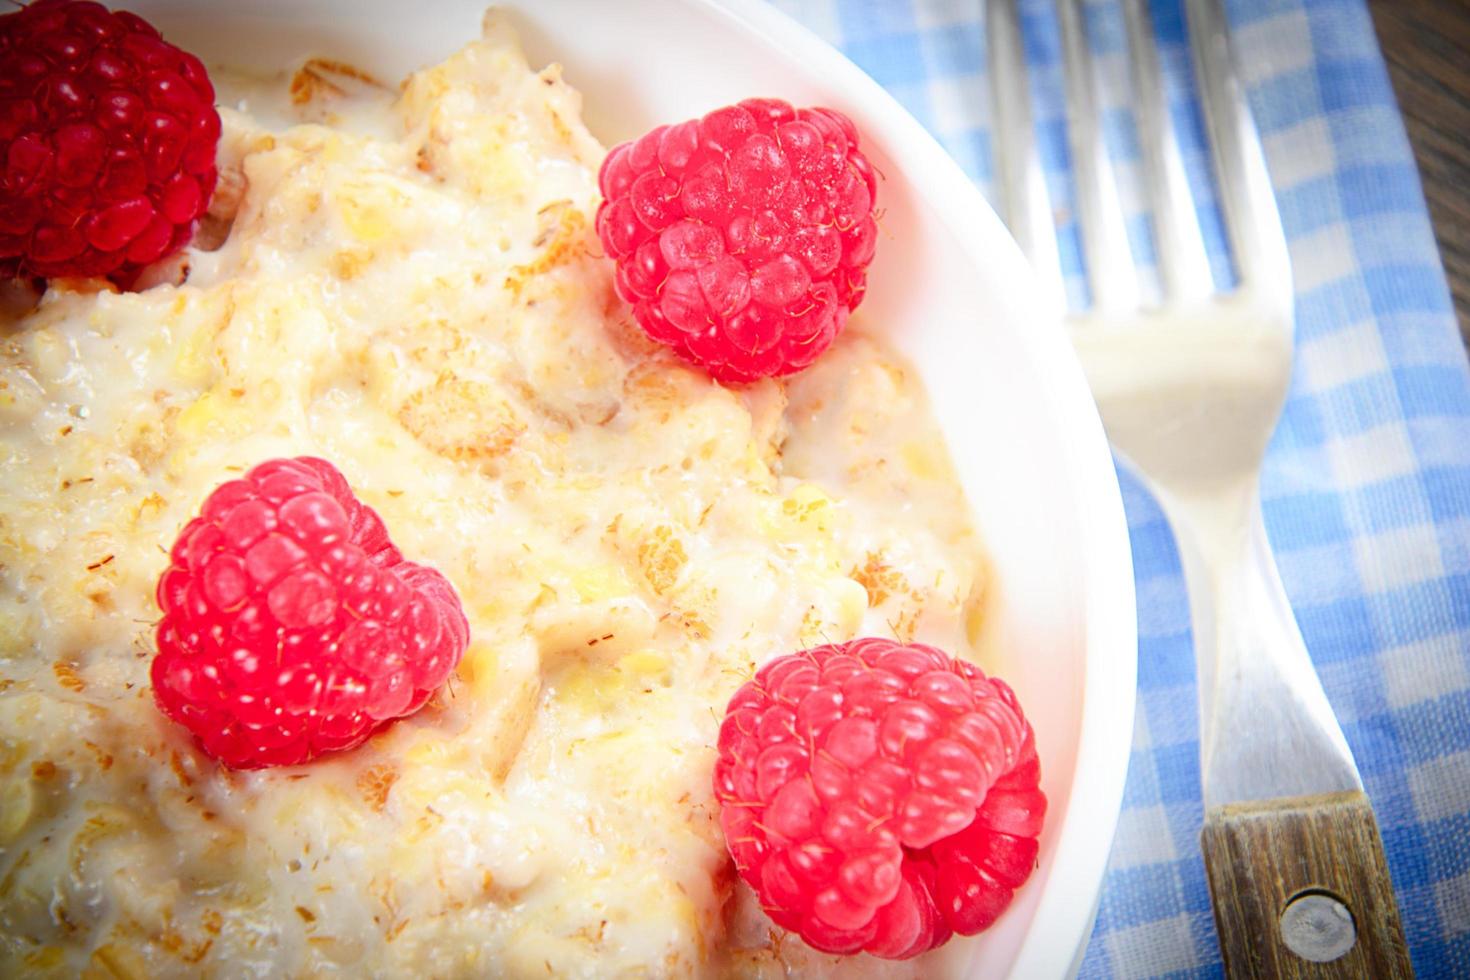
x: 1316, y: 926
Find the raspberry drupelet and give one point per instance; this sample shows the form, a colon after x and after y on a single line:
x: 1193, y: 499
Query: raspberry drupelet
x: 742, y: 239
x: 291, y: 624
x: 107, y: 142
x: 879, y: 797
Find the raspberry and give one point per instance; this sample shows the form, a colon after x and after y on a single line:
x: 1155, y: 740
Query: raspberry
x: 291, y: 625
x: 107, y: 142
x: 742, y: 239
x: 879, y: 797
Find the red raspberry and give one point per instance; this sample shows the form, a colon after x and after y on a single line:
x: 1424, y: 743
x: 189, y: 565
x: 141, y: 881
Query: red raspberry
x: 742, y: 239
x: 107, y: 142
x: 291, y: 625
x: 878, y: 796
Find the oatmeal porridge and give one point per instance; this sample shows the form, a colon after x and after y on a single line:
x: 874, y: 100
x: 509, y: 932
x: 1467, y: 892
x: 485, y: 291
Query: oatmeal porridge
x: 405, y: 281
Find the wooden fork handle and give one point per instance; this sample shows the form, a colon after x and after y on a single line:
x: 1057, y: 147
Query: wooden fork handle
x: 1301, y: 889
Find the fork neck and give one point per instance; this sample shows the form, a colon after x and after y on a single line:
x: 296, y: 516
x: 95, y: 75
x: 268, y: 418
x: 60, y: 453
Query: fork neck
x: 1214, y: 521
x: 1257, y: 689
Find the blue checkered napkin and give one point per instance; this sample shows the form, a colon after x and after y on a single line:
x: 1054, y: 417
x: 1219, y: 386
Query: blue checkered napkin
x: 1366, y: 486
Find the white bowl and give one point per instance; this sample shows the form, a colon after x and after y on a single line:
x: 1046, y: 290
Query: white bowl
x: 948, y: 287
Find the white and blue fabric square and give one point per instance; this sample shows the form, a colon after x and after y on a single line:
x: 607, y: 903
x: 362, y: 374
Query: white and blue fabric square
x: 1366, y: 485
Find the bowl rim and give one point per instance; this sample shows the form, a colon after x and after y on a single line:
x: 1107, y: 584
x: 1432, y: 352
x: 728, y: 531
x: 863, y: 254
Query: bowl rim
x: 1111, y: 625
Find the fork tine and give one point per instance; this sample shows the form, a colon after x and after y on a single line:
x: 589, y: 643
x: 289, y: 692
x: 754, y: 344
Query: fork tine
x: 1023, y: 182
x: 1110, y: 273
x: 1184, y: 265
x: 1251, y: 217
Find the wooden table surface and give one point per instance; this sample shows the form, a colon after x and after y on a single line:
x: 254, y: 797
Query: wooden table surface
x: 1427, y: 46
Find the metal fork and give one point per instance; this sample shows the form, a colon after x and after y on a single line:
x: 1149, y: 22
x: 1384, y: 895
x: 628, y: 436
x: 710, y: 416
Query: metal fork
x: 1190, y: 390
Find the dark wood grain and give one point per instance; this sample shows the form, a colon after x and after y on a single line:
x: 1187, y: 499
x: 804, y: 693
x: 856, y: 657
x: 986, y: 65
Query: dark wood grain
x: 1427, y: 46
x: 1259, y: 856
